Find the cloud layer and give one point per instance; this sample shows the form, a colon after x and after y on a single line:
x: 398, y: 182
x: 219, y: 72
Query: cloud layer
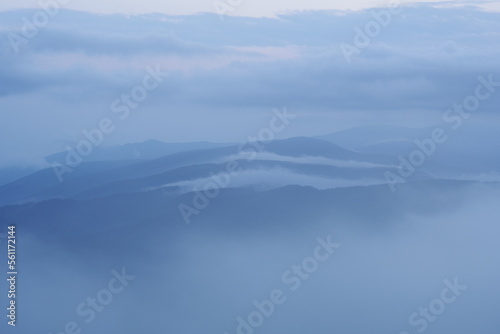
x: 224, y: 76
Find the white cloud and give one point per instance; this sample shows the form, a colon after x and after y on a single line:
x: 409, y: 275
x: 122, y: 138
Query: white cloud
x: 306, y: 160
x: 274, y: 178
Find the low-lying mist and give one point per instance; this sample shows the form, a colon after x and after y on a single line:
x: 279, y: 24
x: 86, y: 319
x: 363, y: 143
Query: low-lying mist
x: 427, y: 272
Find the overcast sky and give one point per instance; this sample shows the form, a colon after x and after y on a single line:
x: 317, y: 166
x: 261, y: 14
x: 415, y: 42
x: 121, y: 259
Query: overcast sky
x: 247, y: 7
x: 226, y: 76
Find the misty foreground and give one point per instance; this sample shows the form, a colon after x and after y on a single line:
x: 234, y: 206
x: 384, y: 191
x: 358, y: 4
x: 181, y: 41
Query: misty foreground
x: 293, y: 236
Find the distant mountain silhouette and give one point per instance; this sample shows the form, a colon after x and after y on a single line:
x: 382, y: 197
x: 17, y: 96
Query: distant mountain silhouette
x: 132, y: 175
